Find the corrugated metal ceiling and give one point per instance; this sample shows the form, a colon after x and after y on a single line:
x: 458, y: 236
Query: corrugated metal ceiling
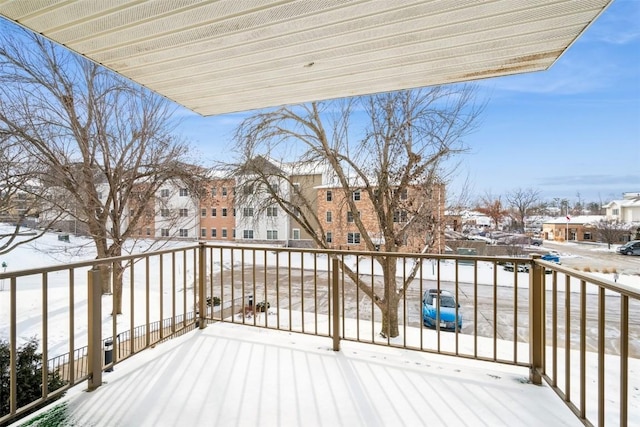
x: 233, y: 55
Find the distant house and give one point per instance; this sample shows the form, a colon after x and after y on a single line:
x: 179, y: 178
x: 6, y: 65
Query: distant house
x: 475, y: 219
x: 579, y: 228
x: 626, y: 210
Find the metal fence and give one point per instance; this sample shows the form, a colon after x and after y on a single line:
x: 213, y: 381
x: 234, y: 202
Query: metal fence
x: 570, y: 329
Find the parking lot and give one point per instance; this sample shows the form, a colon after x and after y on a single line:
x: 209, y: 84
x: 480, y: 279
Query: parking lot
x: 498, y: 316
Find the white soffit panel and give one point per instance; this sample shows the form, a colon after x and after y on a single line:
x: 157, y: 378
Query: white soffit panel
x: 222, y: 56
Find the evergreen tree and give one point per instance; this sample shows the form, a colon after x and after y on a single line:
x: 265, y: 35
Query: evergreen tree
x: 28, y: 375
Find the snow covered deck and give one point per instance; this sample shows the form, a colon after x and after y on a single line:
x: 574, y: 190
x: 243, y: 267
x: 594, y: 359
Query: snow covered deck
x: 234, y: 375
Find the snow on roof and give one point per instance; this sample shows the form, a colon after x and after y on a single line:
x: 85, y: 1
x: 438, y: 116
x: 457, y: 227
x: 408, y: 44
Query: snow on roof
x: 580, y: 219
x: 626, y: 202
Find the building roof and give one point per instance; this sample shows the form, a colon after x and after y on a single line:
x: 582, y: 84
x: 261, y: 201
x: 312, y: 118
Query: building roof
x: 574, y: 220
x: 627, y: 202
x: 225, y: 56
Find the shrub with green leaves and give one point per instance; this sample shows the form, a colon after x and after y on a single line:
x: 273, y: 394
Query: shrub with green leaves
x: 28, y: 375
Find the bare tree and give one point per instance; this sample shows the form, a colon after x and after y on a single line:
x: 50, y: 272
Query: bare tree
x: 394, y: 166
x: 102, y: 142
x: 611, y: 231
x: 20, y: 197
x: 492, y: 207
x: 520, y: 201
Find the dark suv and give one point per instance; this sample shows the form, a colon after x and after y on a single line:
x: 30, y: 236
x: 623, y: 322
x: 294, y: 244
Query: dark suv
x: 630, y: 248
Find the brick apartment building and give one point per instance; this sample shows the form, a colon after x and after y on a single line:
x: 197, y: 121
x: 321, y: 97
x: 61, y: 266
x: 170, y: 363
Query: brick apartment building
x: 341, y: 231
x: 216, y: 209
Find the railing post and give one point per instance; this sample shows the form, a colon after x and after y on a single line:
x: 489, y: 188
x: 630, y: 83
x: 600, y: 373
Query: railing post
x: 94, y: 350
x: 201, y: 285
x: 536, y: 322
x: 336, y: 304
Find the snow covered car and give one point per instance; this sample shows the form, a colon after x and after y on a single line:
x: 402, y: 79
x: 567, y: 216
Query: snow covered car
x: 522, y: 268
x: 441, y: 308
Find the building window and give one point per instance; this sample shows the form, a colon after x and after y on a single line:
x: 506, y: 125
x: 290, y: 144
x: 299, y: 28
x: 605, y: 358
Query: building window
x: 400, y: 216
x: 329, y: 216
x: 214, y: 192
x: 184, y: 212
x: 203, y: 232
x: 247, y: 212
x: 131, y: 212
x: 615, y: 212
x: 164, y: 232
x: 164, y: 212
x: 329, y: 237
x: 356, y: 195
x: 274, y: 188
x: 183, y: 232
x: 224, y: 233
x: 403, y: 194
x: 329, y: 196
x: 296, y: 234
x: 350, y: 217
x: 164, y: 192
x: 247, y: 189
x: 587, y: 235
x: 247, y: 234
x: 233, y: 233
x: 214, y: 212
x: 272, y: 234
x: 272, y: 211
x: 353, y: 238
x: 148, y: 231
x: 234, y: 211
x: 296, y: 188
x: 224, y: 211
x: 203, y: 212
x: 184, y: 192
x: 224, y: 191
x: 214, y: 232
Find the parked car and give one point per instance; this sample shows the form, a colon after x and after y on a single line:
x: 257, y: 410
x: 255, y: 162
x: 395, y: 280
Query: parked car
x: 630, y: 248
x: 522, y: 268
x: 440, y: 308
x: 551, y: 257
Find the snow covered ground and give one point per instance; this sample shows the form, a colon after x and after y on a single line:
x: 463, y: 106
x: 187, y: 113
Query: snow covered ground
x: 50, y: 251
x: 233, y: 375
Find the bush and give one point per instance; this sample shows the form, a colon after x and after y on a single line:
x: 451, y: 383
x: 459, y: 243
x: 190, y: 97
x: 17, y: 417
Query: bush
x: 28, y: 375
x: 261, y: 306
x: 215, y: 301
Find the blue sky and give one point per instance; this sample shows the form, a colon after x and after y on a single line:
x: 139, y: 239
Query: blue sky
x: 572, y: 129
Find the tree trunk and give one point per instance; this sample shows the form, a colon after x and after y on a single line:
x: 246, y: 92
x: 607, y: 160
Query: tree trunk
x: 390, y: 320
x: 389, y: 306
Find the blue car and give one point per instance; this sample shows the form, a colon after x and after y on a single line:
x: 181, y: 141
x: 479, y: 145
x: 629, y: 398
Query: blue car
x: 440, y: 308
x: 551, y: 257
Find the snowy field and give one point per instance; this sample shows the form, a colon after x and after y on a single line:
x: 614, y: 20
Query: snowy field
x: 50, y: 251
